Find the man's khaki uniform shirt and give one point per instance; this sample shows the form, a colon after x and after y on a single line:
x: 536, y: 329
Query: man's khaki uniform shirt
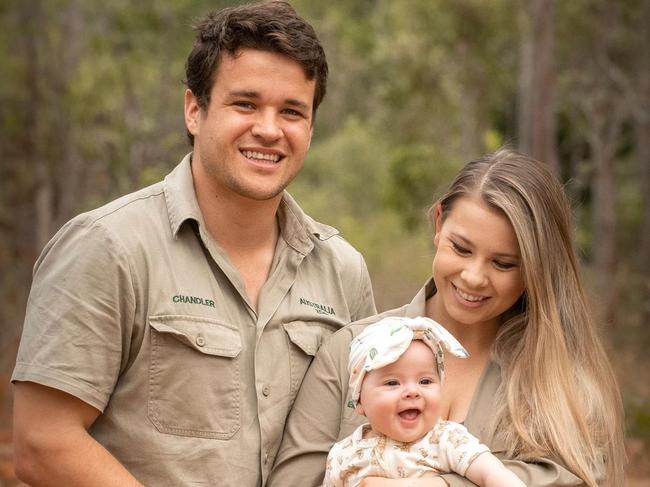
x: 321, y: 415
x: 136, y: 310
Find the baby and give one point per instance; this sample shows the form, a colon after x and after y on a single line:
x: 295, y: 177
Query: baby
x: 396, y: 369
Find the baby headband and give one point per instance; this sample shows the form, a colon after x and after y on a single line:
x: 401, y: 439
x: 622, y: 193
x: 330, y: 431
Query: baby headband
x: 385, y: 341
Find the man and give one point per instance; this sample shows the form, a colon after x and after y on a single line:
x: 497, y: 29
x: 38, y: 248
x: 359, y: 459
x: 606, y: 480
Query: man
x: 168, y: 332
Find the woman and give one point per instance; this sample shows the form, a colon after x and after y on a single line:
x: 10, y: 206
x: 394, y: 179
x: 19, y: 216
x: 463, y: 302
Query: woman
x: 538, y: 388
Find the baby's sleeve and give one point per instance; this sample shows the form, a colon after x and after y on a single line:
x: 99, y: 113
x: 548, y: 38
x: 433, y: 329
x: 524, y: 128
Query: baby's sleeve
x: 457, y: 447
x: 333, y: 466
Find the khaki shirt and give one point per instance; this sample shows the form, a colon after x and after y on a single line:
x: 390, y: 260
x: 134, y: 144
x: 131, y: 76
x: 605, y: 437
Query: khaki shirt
x: 321, y: 417
x: 136, y: 310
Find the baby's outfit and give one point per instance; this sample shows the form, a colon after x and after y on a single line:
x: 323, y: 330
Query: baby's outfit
x: 448, y: 447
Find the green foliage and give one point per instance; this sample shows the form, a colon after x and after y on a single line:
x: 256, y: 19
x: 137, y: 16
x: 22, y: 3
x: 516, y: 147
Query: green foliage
x: 629, y: 205
x: 417, y: 175
x: 344, y: 184
x: 343, y: 175
x: 638, y: 417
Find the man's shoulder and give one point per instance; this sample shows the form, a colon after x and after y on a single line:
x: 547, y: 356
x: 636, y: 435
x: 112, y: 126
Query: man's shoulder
x: 132, y: 205
x: 120, y: 223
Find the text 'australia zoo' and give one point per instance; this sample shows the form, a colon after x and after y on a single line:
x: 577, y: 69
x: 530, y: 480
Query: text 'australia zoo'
x: 320, y: 308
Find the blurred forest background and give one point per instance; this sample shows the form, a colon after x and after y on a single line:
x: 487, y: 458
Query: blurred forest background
x: 91, y: 100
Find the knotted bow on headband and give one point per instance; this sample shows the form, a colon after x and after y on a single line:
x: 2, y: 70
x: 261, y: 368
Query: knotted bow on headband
x: 384, y: 342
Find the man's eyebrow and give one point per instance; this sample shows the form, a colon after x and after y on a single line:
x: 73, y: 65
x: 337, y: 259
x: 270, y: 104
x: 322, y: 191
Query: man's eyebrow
x: 254, y: 94
x: 244, y: 94
x: 297, y: 103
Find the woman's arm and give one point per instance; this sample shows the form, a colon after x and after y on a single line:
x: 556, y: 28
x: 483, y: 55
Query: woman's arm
x: 314, y: 424
x: 541, y: 473
x: 488, y: 471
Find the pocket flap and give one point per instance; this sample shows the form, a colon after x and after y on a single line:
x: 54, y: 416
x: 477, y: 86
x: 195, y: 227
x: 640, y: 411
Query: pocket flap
x: 307, y: 336
x: 202, y: 334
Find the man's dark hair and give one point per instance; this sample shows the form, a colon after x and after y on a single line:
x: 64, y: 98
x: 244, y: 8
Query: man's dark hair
x: 272, y: 26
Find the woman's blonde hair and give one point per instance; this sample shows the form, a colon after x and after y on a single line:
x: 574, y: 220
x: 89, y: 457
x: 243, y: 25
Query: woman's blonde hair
x: 558, y: 397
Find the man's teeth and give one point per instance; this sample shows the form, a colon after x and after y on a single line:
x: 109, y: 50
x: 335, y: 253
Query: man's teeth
x: 259, y: 155
x: 469, y: 297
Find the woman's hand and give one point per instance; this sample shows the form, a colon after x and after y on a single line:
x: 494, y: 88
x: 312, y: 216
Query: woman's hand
x: 412, y: 482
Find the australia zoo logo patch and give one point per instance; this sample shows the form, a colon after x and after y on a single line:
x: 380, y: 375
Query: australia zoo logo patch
x: 321, y: 309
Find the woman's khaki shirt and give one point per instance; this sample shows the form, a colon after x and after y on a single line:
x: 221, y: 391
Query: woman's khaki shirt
x: 321, y: 417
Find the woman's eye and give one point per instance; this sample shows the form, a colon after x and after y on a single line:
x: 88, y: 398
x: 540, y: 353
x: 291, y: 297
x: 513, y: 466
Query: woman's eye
x: 504, y: 265
x: 243, y: 104
x: 459, y: 250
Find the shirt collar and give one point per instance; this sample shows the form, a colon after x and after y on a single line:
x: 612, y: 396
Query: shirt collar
x: 417, y: 307
x: 180, y: 196
x: 296, y: 227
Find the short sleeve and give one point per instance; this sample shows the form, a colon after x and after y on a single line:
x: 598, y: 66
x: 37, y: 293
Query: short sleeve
x: 79, y: 314
x: 457, y: 447
x: 332, y: 467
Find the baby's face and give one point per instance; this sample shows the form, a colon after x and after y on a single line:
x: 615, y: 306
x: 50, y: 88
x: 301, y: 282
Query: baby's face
x: 401, y: 400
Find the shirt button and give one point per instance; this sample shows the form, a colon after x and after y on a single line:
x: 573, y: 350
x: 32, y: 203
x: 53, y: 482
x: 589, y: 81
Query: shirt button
x: 266, y: 390
x: 200, y: 340
x: 266, y: 457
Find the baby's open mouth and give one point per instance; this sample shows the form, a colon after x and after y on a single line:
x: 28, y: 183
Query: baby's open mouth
x: 409, y: 414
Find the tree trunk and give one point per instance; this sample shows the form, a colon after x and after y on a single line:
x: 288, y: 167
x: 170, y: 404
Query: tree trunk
x: 32, y: 16
x: 642, y: 122
x: 470, y: 118
x: 598, y: 93
x: 69, y: 181
x: 524, y: 105
x: 537, y: 84
x: 605, y: 116
x: 605, y: 227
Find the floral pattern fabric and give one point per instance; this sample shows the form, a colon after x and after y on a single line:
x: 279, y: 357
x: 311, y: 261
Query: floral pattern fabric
x: 448, y: 447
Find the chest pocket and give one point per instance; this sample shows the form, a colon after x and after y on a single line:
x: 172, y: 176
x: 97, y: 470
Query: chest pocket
x: 305, y: 340
x: 194, y: 377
